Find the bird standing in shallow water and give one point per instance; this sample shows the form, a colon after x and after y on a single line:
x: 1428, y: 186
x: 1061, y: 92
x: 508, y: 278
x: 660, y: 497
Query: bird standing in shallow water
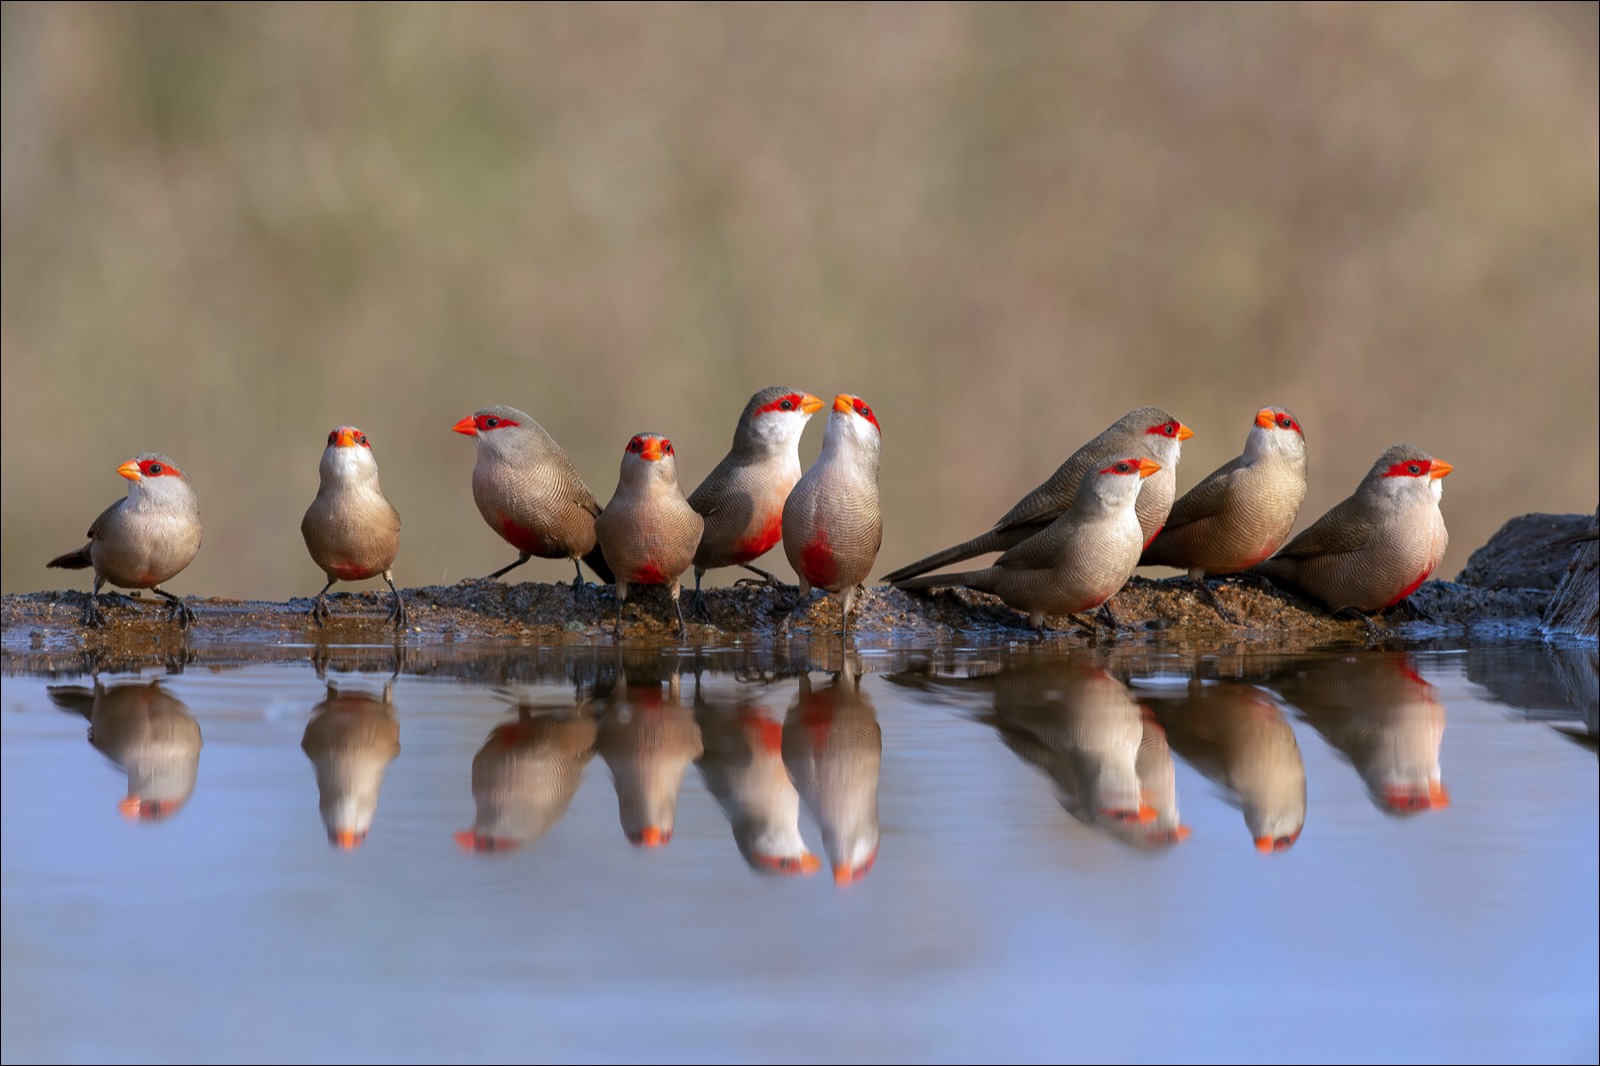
x: 144, y: 539
x: 351, y: 529
x: 530, y: 493
x: 832, y: 524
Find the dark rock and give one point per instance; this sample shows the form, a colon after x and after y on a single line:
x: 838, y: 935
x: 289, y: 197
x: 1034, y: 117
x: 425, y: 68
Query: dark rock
x: 1575, y: 607
x: 1525, y: 554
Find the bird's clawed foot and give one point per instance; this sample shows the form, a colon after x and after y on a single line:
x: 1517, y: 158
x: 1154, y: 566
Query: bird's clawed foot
x: 319, y: 612
x: 93, y: 617
x: 1214, y: 603
x: 177, y: 610
x: 764, y: 580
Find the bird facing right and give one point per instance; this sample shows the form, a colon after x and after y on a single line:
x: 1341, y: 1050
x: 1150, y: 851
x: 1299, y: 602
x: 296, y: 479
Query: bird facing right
x: 1375, y: 547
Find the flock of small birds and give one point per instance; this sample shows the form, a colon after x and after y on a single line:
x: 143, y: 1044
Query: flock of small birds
x: 1066, y: 547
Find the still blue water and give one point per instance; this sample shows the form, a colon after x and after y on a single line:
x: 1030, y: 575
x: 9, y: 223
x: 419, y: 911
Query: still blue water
x: 1006, y: 854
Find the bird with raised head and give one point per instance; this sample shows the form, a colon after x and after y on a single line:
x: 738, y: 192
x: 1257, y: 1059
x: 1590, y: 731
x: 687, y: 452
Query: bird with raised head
x: 144, y: 539
x: 351, y: 529
x: 648, y: 531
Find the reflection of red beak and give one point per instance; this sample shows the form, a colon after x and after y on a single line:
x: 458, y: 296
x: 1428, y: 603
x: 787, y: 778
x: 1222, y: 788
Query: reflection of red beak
x: 346, y: 839
x: 478, y: 842
x: 1271, y: 845
x: 650, y: 837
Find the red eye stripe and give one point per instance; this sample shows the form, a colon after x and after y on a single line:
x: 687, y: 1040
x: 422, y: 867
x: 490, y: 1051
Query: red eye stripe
x: 782, y: 404
x: 156, y: 468
x: 1122, y: 466
x: 1285, y: 422
x: 862, y: 409
x: 1165, y: 429
x: 1409, y: 468
x: 488, y: 422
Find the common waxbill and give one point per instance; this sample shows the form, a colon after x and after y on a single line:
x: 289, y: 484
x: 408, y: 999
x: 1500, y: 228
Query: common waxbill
x: 149, y: 734
x: 524, y: 778
x: 742, y: 498
x: 648, y: 531
x: 1147, y: 432
x: 833, y: 748
x: 143, y: 539
x: 1240, y: 513
x: 351, y: 739
x: 832, y: 523
x: 1374, y: 548
x: 1076, y: 563
x: 647, y: 738
x: 530, y: 493
x: 351, y: 529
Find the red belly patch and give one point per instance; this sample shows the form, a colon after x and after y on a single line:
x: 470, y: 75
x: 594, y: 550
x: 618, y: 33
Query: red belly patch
x: 521, y: 538
x: 351, y: 572
x: 761, y: 541
x: 1154, y: 535
x: 817, y: 564
x: 1409, y: 589
x: 648, y: 574
x: 764, y: 734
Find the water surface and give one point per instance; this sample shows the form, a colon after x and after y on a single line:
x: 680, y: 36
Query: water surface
x: 1003, y: 853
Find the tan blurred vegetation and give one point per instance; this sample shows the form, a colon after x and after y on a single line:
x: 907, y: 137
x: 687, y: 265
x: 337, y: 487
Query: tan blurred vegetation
x: 229, y: 228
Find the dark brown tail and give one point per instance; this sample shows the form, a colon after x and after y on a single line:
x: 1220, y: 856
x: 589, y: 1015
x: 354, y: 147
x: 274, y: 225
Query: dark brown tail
x: 77, y: 560
x: 982, y: 580
x: 597, y: 562
x: 992, y: 541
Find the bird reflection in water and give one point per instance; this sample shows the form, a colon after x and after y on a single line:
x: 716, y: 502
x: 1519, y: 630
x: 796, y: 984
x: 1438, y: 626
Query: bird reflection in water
x: 832, y: 748
x: 1237, y: 737
x: 647, y: 738
x: 743, y: 768
x: 148, y: 734
x: 1106, y: 755
x: 525, y: 775
x: 351, y: 740
x: 1381, y: 715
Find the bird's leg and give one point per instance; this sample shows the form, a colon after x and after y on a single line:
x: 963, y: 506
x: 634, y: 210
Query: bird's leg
x: 522, y: 557
x: 677, y: 602
x: 800, y: 602
x: 1375, y: 626
x: 577, y: 580
x: 91, y: 610
x: 319, y: 607
x: 1089, y: 627
x: 1110, y: 618
x: 397, y: 613
x: 1211, y: 599
x: 699, y: 608
x: 848, y: 596
x: 622, y: 596
x: 177, y: 610
x: 767, y: 579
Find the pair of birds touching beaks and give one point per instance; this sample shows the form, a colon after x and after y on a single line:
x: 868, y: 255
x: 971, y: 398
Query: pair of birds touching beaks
x: 1067, y: 547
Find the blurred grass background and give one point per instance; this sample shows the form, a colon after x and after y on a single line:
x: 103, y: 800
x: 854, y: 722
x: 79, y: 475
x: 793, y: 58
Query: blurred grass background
x: 229, y: 228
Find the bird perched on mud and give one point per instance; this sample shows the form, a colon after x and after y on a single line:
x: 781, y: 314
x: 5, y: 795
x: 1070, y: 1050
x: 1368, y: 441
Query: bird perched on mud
x: 742, y: 498
x: 351, y: 529
x: 1240, y: 513
x: 1374, y: 548
x: 648, y: 531
x: 1079, y: 561
x: 832, y: 523
x: 529, y: 492
x: 1149, y: 432
x: 144, y: 539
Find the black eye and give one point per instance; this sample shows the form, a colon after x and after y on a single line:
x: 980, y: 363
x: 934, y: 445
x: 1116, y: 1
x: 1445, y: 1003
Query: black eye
x: 1168, y: 429
x: 867, y: 411
x: 362, y: 440
x: 1414, y: 468
x: 666, y: 446
x: 787, y: 405
x: 491, y: 422
x: 331, y: 436
x: 1285, y: 421
x: 1123, y: 468
x: 155, y: 469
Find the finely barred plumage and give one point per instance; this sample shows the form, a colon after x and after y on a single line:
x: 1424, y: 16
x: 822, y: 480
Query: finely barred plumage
x: 1079, y: 561
x: 529, y: 492
x: 648, y: 531
x: 351, y: 740
x: 144, y: 539
x: 832, y: 748
x: 832, y: 524
x: 1374, y: 548
x: 1146, y: 432
x: 524, y: 778
x: 1236, y: 736
x: 1240, y: 513
x: 351, y: 529
x: 742, y: 498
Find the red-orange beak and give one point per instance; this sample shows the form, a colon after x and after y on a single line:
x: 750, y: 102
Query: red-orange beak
x: 1268, y: 845
x: 1148, y: 467
x: 347, y: 839
x: 650, y: 449
x: 130, y: 470
x: 844, y: 403
x: 1184, y: 432
x: 650, y: 837
x: 345, y: 437
x: 468, y: 840
x: 130, y: 806
x: 1264, y: 418
x: 811, y: 404
x: 468, y: 426
x: 1438, y: 469
x: 806, y: 864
